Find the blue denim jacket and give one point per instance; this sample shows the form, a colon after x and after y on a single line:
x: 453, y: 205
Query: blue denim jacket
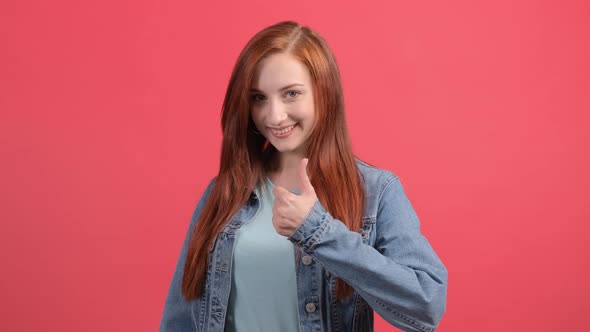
x: 389, y: 263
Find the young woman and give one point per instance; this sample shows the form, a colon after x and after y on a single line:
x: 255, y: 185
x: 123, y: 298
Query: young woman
x: 295, y: 233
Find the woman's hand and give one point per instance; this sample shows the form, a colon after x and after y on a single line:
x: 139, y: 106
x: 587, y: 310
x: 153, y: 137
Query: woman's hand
x: 290, y: 210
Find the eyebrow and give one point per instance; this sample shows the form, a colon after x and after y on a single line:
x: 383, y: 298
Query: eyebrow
x: 281, y: 89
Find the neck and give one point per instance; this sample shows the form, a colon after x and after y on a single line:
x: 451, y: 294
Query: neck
x: 286, y: 173
x: 288, y: 163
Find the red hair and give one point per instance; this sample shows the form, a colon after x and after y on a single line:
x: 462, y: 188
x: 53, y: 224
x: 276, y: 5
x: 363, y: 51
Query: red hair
x: 246, y: 157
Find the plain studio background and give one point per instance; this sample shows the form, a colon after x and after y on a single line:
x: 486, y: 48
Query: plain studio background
x: 110, y: 130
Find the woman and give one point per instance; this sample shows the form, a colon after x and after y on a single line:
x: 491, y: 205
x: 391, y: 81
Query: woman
x: 295, y: 233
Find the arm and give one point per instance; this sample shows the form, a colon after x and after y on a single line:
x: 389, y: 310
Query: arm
x: 401, y: 278
x: 177, y: 315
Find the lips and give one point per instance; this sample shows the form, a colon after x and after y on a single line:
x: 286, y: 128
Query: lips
x: 286, y: 131
x: 281, y: 128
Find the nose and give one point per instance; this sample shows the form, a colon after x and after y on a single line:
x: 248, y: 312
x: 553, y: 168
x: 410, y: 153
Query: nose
x: 276, y: 113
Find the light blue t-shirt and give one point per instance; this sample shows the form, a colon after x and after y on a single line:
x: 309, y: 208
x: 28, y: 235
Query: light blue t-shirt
x: 263, y: 295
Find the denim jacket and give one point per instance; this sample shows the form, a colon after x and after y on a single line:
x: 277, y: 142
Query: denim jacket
x: 391, y: 266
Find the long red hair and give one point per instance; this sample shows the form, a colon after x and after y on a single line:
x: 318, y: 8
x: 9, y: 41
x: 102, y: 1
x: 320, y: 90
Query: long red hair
x: 246, y: 157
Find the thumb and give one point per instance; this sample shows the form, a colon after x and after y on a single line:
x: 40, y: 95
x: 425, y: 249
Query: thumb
x: 304, y: 182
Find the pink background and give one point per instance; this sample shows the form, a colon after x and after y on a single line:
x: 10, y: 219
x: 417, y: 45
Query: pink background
x: 110, y: 130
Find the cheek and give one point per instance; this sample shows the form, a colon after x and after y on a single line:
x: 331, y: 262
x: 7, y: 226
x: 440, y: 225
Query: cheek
x: 306, y: 111
x: 255, y: 115
x: 310, y: 107
x: 310, y: 113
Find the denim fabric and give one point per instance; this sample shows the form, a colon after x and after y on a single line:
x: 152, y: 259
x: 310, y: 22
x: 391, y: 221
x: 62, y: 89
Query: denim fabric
x: 391, y: 266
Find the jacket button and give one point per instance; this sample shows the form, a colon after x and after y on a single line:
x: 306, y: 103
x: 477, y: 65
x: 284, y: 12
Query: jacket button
x: 253, y: 197
x: 310, y: 307
x: 306, y: 260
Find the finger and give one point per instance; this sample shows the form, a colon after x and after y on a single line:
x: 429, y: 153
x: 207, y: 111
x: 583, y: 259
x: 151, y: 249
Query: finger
x: 285, y: 196
x: 304, y: 182
x: 279, y: 191
x: 275, y: 224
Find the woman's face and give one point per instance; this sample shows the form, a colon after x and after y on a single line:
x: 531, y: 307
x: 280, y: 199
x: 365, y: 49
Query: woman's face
x: 282, y: 103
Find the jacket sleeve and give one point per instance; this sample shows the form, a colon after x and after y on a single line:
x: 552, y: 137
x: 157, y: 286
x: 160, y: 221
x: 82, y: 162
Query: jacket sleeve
x: 401, y: 277
x: 177, y: 314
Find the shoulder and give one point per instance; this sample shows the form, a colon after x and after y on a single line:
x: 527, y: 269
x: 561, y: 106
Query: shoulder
x: 211, y: 183
x: 375, y: 179
x: 207, y: 191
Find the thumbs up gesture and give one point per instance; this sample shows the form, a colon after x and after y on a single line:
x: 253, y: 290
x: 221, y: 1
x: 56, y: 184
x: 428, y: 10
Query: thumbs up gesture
x: 290, y: 210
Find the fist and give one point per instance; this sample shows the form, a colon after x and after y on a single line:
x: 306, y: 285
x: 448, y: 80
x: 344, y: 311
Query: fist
x: 290, y: 210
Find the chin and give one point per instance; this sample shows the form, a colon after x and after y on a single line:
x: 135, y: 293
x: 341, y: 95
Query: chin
x: 284, y: 149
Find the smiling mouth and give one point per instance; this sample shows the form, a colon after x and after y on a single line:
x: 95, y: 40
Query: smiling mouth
x: 283, y: 132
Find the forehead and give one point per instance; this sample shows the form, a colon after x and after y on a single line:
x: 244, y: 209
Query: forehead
x: 278, y: 70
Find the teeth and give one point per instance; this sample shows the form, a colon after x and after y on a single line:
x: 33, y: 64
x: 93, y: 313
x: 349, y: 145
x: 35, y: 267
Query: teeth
x: 280, y: 132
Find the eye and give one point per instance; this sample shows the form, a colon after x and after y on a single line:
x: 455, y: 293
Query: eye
x: 257, y: 97
x: 293, y: 93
